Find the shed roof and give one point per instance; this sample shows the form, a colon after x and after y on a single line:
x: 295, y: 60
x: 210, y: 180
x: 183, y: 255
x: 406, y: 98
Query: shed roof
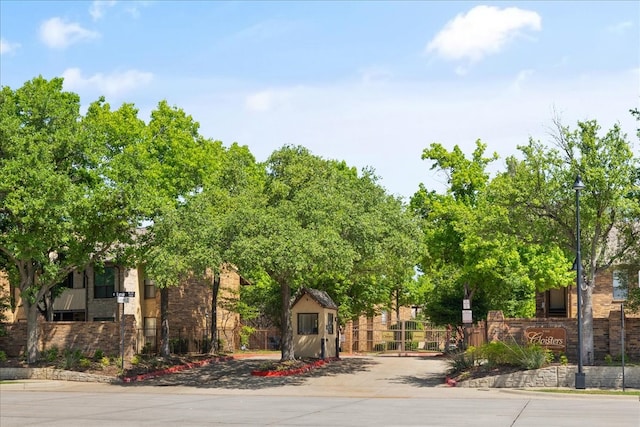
x: 321, y: 297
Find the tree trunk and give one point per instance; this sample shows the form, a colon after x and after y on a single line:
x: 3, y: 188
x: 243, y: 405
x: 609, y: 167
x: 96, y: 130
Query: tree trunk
x: 32, y: 331
x: 287, y: 332
x: 215, y: 347
x: 165, y: 351
x: 587, y: 324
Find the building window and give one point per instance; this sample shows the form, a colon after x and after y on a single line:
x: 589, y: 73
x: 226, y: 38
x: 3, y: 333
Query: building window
x: 150, y: 333
x: 307, y: 323
x: 68, y: 316
x: 383, y: 317
x: 620, y: 285
x: 149, y: 289
x: 67, y: 282
x: 104, y: 284
x: 330, y: 323
x: 150, y: 326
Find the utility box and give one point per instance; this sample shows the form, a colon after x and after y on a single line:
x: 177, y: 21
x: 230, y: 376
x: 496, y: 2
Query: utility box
x: 315, y: 324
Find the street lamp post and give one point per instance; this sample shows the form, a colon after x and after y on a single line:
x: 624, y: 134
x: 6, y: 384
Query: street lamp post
x: 580, y: 377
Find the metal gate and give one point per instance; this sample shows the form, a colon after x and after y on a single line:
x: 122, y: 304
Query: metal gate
x: 399, y: 336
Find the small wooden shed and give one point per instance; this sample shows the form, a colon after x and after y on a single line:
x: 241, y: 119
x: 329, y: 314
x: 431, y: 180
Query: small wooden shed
x: 315, y: 324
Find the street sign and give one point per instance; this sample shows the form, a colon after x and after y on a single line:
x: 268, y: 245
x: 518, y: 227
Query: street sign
x: 124, y: 294
x: 123, y: 297
x: 467, y: 316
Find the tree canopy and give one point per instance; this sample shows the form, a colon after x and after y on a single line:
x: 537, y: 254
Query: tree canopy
x: 64, y: 202
x: 324, y: 225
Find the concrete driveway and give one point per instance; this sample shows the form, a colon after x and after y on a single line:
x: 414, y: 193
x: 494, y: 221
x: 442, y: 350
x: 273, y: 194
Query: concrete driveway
x: 385, y: 376
x: 376, y: 391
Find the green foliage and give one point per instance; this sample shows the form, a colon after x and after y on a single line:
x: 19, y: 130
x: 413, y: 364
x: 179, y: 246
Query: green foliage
x: 499, y: 353
x: 51, y: 354
x: 3, y: 356
x: 245, y: 333
x: 71, y: 358
x: 461, y: 361
x: 4, y: 306
x: 98, y: 355
x: 179, y: 345
x: 65, y: 203
x: 105, y: 361
x: 135, y: 360
x: 564, y: 361
x: 537, y: 191
x: 321, y: 224
x: 467, y: 252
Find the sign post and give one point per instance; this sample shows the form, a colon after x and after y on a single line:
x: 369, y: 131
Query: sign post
x: 622, y: 341
x: 122, y: 298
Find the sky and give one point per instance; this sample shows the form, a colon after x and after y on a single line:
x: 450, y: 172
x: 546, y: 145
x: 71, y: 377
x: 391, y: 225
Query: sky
x: 373, y: 83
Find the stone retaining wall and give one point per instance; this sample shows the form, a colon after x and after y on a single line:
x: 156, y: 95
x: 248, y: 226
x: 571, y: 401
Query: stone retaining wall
x: 53, y: 374
x: 607, y: 377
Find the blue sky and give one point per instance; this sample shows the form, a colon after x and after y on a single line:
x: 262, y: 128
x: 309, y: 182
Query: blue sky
x: 372, y: 83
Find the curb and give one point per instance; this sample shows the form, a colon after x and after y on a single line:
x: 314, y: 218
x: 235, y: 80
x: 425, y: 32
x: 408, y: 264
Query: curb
x: 175, y: 369
x: 295, y: 371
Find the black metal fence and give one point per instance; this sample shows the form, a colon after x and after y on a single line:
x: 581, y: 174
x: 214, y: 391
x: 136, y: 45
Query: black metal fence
x: 183, y: 341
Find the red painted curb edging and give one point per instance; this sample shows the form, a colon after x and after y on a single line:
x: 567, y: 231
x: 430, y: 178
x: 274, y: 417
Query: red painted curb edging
x: 175, y: 369
x: 294, y: 371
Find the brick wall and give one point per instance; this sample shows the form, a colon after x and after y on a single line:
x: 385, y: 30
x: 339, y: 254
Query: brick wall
x: 606, y: 333
x: 190, y: 309
x: 84, y: 336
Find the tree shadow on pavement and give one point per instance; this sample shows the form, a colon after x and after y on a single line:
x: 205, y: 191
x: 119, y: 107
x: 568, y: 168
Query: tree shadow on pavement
x: 426, y: 380
x: 236, y: 375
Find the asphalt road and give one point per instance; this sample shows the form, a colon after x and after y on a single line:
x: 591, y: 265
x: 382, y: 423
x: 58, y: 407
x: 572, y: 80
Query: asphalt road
x: 380, y: 391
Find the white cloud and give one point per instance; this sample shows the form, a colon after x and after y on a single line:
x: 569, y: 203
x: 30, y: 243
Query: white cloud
x: 58, y: 34
x: 266, y: 100
x: 133, y: 7
x: 387, y: 126
x: 521, y: 78
x: 375, y: 74
x: 483, y: 31
x: 620, y: 27
x: 112, y: 84
x: 98, y: 8
x: 7, y: 47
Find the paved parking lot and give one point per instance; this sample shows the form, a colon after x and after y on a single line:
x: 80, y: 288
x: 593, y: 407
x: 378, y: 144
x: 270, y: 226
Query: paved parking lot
x: 377, y: 391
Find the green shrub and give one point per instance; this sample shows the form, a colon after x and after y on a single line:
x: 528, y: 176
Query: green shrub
x: 105, y: 361
x: 84, y: 362
x: 179, y: 345
x: 463, y: 361
x: 532, y: 357
x: 135, y: 359
x: 3, y: 356
x: 51, y: 354
x: 71, y: 358
x: 380, y: 347
x: 563, y: 360
x: 499, y: 353
x: 98, y: 355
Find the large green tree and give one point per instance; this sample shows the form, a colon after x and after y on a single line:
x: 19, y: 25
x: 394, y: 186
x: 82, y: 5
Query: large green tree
x: 538, y: 192
x: 63, y: 204
x: 175, y: 162
x: 323, y: 225
x: 189, y: 239
x: 470, y: 252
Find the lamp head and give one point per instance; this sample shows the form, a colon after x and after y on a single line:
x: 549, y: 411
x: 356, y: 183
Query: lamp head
x: 578, y: 184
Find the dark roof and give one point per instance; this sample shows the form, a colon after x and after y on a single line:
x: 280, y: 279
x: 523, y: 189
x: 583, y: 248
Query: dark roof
x: 321, y: 297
